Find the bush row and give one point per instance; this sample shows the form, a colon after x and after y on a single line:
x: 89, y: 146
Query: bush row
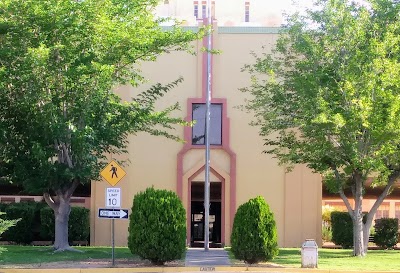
x: 386, y: 231
x: 37, y: 223
x: 157, y: 228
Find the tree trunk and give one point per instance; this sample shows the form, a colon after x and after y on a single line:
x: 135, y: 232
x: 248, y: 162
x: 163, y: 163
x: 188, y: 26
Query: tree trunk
x: 358, y: 236
x: 62, y: 208
x: 367, y: 230
x: 61, y: 214
x: 358, y: 225
x: 361, y: 231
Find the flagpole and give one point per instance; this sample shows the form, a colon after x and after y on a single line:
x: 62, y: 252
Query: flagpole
x: 208, y: 119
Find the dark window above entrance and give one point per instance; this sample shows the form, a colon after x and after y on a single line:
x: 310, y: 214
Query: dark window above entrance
x: 199, y: 129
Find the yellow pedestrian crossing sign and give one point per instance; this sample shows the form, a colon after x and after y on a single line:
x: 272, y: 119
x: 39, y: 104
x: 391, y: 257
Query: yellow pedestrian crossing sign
x: 113, y: 173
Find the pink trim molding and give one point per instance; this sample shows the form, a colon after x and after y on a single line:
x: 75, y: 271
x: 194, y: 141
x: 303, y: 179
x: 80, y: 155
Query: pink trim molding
x: 189, y: 210
x: 225, y: 147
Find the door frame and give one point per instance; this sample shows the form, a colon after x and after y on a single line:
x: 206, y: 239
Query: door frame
x: 189, y: 203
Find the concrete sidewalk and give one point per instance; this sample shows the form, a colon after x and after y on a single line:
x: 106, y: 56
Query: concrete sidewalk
x: 212, y: 257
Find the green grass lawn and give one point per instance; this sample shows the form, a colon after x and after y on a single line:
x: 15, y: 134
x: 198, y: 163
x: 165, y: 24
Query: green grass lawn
x: 40, y: 254
x: 341, y: 259
x: 333, y: 259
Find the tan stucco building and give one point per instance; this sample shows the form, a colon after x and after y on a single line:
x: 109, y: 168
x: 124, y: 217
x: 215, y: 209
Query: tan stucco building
x: 239, y: 169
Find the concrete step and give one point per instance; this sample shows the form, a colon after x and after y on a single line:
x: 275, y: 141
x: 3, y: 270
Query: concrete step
x: 212, y: 257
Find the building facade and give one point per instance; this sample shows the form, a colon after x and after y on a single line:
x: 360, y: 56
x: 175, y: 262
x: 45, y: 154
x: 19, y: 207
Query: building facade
x: 239, y: 170
x: 227, y: 12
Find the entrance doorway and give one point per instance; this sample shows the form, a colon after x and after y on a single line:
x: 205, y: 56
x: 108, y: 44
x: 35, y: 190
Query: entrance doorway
x: 197, y: 214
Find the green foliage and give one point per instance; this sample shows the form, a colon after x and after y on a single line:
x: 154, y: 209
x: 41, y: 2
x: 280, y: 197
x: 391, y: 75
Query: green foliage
x: 3, y: 207
x: 326, y: 214
x: 78, y: 225
x: 47, y: 224
x: 157, y: 226
x: 342, y: 229
x: 328, y: 96
x: 326, y: 233
x: 386, y: 232
x: 6, y: 224
x: 326, y: 223
x: 254, y: 234
x: 21, y: 232
x: 59, y: 62
x: 36, y: 206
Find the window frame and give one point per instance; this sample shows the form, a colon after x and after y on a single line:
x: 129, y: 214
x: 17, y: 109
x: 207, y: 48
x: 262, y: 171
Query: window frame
x: 212, y: 122
x: 196, y: 9
x: 247, y: 12
x: 204, y: 10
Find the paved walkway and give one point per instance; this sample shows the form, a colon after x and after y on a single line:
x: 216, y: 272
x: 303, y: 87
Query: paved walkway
x: 212, y: 257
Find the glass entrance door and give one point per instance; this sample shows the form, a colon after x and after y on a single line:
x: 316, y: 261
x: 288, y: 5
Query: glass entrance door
x: 197, y: 215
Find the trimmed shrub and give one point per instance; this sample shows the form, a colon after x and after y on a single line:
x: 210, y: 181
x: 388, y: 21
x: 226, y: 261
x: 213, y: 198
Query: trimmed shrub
x: 3, y: 207
x: 254, y: 233
x: 47, y: 224
x: 386, y: 232
x: 342, y: 229
x: 157, y: 226
x: 36, y: 220
x: 78, y: 225
x: 21, y: 233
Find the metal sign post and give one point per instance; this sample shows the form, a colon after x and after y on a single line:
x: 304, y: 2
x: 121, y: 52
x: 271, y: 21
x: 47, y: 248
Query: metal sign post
x: 113, y: 241
x: 208, y: 119
x: 113, y: 213
x: 113, y: 173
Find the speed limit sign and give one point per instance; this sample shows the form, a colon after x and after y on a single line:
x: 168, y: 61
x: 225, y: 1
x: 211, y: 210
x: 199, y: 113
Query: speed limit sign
x: 113, y: 197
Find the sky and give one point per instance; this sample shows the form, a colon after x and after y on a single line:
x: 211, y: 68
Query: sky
x: 287, y: 5
x: 284, y: 5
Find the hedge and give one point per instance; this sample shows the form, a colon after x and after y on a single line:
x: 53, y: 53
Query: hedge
x: 342, y: 229
x: 37, y: 222
x: 21, y: 233
x: 386, y: 232
x: 78, y: 225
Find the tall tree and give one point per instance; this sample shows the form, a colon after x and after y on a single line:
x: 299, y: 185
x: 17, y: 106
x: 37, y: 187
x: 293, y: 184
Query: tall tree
x: 329, y: 96
x: 59, y: 62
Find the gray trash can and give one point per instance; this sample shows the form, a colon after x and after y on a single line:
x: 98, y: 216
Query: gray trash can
x: 309, y: 254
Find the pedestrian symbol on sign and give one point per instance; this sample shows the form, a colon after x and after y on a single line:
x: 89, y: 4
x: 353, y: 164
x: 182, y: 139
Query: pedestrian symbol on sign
x: 113, y: 173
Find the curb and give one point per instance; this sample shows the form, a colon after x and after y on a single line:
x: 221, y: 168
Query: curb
x: 177, y: 269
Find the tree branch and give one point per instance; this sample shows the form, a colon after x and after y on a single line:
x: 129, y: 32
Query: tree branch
x: 57, y: 148
x: 67, y: 157
x: 50, y: 201
x: 341, y: 193
x: 347, y: 203
x: 71, y: 190
x: 392, y: 178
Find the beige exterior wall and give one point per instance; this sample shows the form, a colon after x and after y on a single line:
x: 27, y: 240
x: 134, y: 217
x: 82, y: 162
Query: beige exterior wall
x: 295, y: 198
